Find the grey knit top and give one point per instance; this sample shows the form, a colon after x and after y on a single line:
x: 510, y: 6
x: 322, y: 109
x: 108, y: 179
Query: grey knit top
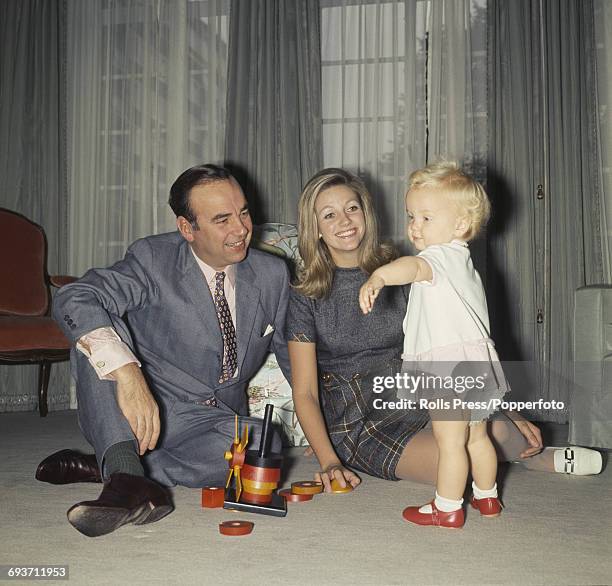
x: 349, y: 342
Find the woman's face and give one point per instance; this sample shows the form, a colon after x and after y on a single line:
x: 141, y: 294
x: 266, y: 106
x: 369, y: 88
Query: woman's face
x: 341, y: 224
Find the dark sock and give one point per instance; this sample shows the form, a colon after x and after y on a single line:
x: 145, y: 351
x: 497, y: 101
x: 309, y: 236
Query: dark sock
x: 123, y: 457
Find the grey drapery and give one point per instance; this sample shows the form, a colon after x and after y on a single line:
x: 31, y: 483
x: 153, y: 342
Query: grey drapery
x: 273, y: 137
x: 544, y: 183
x: 31, y: 165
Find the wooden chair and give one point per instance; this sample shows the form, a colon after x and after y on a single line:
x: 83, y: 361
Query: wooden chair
x: 27, y: 332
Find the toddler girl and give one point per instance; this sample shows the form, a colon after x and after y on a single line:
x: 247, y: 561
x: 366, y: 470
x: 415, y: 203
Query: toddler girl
x: 446, y: 331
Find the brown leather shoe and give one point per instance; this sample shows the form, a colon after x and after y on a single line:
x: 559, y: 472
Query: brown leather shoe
x: 68, y: 466
x: 125, y: 499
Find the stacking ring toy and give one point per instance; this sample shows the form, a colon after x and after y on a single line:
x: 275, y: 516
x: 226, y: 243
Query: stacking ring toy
x: 307, y: 487
x: 212, y: 497
x: 235, y: 527
x: 292, y: 497
x: 337, y: 489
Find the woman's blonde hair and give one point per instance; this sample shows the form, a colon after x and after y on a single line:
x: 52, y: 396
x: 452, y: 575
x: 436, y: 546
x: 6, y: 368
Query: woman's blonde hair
x: 316, y: 273
x: 465, y: 191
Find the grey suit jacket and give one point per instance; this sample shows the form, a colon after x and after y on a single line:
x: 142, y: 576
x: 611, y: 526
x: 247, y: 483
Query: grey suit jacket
x: 171, y: 322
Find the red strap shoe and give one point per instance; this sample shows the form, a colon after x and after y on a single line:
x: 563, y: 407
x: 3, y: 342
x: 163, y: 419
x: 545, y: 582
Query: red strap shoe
x: 488, y: 507
x: 454, y: 519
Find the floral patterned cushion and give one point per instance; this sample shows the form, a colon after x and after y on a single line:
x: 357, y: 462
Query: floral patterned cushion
x: 269, y: 385
x: 278, y: 239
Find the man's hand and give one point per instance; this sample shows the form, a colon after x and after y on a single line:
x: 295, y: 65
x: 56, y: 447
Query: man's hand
x: 369, y: 292
x: 138, y: 405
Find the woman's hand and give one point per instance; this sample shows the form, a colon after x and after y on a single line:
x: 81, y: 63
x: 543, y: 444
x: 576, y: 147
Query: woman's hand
x: 369, y: 292
x: 343, y: 475
x: 530, y: 432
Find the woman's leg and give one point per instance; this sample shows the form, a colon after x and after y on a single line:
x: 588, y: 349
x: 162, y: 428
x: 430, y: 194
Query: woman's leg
x: 419, y: 460
x: 509, y: 442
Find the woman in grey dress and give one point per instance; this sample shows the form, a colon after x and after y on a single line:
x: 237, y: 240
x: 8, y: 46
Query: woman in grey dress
x: 335, y: 350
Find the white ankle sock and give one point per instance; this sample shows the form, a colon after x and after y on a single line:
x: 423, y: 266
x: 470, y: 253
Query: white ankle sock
x: 491, y: 493
x: 442, y: 504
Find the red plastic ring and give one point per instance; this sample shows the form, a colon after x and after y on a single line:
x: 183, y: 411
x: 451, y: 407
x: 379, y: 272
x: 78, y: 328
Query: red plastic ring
x: 261, y: 474
x: 255, y: 499
x: 307, y: 487
x: 236, y: 527
x: 213, y: 497
x: 294, y: 498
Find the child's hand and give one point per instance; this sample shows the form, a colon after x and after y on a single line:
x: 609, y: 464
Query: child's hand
x: 369, y: 292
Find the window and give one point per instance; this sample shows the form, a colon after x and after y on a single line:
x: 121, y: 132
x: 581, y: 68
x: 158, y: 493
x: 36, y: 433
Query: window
x: 148, y: 84
x: 392, y: 77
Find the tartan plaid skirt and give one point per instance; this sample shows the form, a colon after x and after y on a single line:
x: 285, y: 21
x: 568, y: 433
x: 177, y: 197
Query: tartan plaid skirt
x: 368, y: 438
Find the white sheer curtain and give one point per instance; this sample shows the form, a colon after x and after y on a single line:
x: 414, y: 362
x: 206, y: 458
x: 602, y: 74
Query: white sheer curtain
x: 147, y: 88
x: 31, y: 164
x: 404, y: 82
x: 457, y: 82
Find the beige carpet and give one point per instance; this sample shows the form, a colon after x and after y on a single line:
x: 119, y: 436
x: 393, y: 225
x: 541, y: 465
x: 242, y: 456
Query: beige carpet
x: 555, y: 530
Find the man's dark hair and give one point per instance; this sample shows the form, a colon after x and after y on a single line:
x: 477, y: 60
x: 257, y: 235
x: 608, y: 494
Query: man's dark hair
x: 198, y: 175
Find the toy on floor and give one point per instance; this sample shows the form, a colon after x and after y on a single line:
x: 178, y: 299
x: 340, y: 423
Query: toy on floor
x: 235, y: 528
x: 213, y: 497
x: 302, y: 491
x: 235, y: 457
x: 337, y: 489
x: 256, y: 473
x: 292, y: 497
x: 307, y: 487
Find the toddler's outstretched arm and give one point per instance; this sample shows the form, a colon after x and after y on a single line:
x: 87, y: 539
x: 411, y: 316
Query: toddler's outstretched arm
x: 404, y: 270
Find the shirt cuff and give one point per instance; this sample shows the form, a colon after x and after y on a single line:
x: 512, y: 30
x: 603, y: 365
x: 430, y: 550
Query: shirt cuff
x: 107, y: 352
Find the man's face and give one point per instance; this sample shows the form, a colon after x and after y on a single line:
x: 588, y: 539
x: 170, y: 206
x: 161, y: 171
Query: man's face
x: 224, y: 223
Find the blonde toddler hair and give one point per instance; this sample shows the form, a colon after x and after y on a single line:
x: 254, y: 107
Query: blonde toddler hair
x: 464, y: 190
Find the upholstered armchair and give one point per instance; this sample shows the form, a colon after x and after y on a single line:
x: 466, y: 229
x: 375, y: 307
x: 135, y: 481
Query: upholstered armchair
x: 27, y: 332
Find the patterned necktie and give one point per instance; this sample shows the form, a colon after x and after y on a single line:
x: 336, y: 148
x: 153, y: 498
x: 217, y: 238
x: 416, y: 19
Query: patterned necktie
x: 228, y: 331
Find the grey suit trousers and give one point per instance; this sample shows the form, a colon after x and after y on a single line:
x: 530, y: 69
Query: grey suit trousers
x: 192, y: 442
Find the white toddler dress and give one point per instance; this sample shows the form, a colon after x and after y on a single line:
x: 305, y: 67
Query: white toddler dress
x: 446, y: 335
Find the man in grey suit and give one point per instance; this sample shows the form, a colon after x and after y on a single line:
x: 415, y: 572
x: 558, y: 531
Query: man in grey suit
x: 166, y: 341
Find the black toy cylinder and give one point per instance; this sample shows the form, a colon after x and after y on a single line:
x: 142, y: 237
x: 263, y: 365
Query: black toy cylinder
x: 266, y: 432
